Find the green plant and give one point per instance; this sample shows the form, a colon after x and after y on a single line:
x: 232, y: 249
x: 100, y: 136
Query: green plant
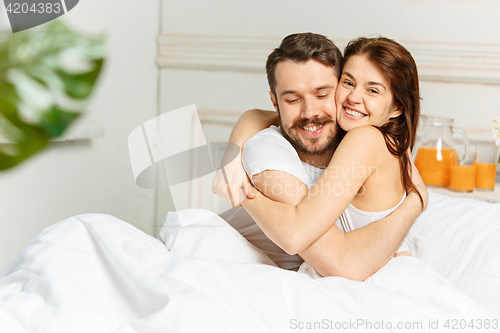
x: 46, y: 78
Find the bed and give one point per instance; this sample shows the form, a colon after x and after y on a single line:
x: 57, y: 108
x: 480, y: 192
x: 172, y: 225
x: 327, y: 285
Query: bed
x: 96, y: 273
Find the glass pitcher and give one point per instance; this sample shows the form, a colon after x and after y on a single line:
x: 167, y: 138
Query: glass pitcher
x: 434, y: 149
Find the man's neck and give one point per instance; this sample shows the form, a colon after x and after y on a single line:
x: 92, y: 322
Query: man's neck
x: 318, y: 161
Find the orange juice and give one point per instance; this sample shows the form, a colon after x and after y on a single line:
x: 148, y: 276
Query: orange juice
x: 485, y: 175
x: 462, y: 177
x: 434, y: 165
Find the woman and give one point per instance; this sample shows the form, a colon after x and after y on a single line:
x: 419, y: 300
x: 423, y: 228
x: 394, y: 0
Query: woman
x: 378, y: 106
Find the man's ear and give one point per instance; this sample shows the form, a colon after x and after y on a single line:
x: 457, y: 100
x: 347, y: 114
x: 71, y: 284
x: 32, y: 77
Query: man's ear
x: 274, y: 100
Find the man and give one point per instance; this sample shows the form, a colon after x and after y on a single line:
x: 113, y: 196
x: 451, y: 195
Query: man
x: 283, y: 163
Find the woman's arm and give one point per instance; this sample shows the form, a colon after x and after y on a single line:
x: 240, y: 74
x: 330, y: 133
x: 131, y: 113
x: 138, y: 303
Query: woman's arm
x: 231, y: 176
x: 294, y: 228
x: 358, y: 254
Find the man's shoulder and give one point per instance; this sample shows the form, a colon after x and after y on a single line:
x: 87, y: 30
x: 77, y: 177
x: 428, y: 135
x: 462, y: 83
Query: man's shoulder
x: 267, y: 135
x: 271, y: 130
x: 269, y: 150
x: 270, y: 140
x: 269, y: 144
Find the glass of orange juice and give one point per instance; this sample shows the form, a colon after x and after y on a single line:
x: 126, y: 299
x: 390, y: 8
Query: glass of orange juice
x: 462, y: 174
x: 486, y: 167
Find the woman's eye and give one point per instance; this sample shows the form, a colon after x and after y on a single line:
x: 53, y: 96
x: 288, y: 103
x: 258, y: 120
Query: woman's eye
x: 373, y: 91
x: 348, y: 83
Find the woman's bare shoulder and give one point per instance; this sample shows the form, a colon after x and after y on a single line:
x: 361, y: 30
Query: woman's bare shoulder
x: 367, y: 141
x: 366, y: 135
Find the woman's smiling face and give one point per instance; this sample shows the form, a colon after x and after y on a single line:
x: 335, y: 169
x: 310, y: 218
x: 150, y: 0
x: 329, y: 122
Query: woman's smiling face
x: 363, y: 95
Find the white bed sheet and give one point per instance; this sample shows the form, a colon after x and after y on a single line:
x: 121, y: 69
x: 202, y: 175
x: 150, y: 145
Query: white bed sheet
x: 96, y: 273
x: 460, y: 238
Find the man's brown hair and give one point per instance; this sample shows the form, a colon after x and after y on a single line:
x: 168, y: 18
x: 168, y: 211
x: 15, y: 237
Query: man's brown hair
x: 302, y: 47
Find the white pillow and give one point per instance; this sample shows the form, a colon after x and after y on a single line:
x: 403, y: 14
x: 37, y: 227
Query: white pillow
x: 203, y: 234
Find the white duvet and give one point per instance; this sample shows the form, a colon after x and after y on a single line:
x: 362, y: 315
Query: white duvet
x: 96, y: 273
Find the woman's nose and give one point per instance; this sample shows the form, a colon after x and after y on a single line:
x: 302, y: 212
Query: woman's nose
x: 354, y: 96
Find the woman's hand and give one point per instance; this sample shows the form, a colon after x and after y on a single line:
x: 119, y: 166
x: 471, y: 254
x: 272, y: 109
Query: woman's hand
x: 229, y: 179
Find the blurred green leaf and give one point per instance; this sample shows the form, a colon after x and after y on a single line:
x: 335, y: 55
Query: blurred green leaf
x: 44, y: 78
x: 55, y: 121
x: 80, y: 86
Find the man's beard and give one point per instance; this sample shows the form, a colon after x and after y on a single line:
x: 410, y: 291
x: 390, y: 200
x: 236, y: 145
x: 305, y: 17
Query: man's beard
x: 296, y: 141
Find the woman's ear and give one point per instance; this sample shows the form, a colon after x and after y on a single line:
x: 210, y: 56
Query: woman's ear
x: 396, y: 112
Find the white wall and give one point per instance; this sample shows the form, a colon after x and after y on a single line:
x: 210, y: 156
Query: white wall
x: 212, y: 53
x: 92, y: 176
x: 453, y: 41
x: 463, y: 21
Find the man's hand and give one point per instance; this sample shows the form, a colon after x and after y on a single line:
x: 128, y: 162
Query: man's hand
x: 231, y: 176
x: 228, y: 181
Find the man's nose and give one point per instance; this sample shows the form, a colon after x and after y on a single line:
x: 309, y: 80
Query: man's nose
x: 310, y: 108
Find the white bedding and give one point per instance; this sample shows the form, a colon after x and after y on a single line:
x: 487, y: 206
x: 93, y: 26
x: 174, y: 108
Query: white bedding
x: 96, y: 273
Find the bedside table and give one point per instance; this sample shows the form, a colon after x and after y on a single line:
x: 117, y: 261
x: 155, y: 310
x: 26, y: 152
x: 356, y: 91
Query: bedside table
x: 488, y: 196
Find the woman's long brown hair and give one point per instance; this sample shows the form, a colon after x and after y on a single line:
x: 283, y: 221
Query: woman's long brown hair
x: 400, y: 70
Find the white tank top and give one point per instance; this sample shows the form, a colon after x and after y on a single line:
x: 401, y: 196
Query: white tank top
x: 357, y: 218
x: 353, y: 218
